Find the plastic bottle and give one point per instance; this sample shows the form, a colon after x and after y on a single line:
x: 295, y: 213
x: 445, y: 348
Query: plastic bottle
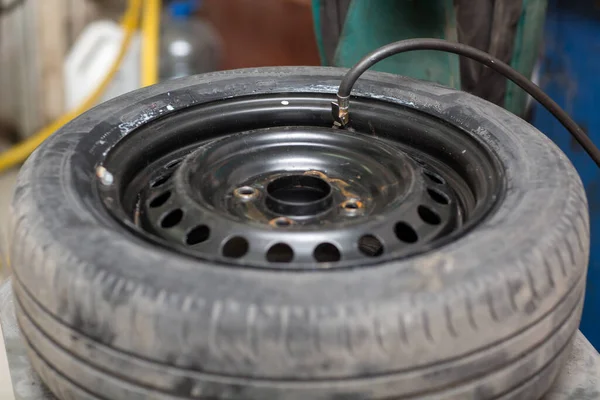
x: 189, y: 45
x: 90, y: 59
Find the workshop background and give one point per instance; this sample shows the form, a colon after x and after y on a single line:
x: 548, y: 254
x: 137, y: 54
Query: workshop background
x: 39, y: 38
x: 54, y: 52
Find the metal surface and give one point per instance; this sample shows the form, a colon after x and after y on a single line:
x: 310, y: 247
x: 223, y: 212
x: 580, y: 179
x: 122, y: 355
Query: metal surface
x: 301, y: 194
x: 580, y: 379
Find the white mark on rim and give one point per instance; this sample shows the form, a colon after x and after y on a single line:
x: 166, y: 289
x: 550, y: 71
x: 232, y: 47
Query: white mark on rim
x: 105, y: 177
x: 285, y: 102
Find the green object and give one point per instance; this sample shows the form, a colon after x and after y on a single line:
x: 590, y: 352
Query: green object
x: 372, y: 24
x: 316, y: 4
x: 367, y: 25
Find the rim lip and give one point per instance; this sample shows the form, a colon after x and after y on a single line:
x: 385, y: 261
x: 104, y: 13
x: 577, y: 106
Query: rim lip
x: 218, y: 259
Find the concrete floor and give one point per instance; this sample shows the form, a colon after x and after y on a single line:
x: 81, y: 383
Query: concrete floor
x: 7, y: 181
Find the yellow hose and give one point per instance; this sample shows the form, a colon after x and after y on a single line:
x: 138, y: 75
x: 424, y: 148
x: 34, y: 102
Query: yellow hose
x: 150, y: 42
x: 18, y: 153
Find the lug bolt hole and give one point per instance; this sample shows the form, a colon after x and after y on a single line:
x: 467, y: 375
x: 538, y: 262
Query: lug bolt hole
x: 352, y: 206
x: 281, y: 222
x: 245, y: 193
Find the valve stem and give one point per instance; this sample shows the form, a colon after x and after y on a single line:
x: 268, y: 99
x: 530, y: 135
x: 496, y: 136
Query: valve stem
x: 340, y: 111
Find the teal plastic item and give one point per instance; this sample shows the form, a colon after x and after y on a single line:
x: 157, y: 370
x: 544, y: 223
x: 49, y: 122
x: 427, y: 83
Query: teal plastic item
x: 372, y: 24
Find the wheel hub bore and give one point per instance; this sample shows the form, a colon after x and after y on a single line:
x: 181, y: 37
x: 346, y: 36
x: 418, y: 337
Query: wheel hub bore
x: 298, y: 195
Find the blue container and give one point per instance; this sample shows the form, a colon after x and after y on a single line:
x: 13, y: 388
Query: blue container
x: 570, y: 74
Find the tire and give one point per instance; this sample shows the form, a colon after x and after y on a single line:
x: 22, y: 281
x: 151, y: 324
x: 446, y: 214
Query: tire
x: 107, y: 315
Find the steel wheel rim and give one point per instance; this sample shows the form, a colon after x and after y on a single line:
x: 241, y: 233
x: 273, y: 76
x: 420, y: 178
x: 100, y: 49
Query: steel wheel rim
x: 446, y: 192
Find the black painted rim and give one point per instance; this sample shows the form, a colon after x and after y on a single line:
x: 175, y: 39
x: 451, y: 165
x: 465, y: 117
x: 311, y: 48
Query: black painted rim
x: 217, y: 182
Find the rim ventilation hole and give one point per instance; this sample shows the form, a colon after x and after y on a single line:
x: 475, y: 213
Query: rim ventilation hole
x: 173, y: 163
x: 197, y: 235
x: 428, y: 215
x: 235, y: 247
x: 405, y: 233
x: 370, y: 246
x: 327, y: 252
x: 160, y: 199
x: 172, y: 218
x: 245, y: 193
x: 280, y: 252
x: 161, y: 180
x: 434, y: 177
x: 438, y: 196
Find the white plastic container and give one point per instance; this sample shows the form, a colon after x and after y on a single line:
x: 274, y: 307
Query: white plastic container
x: 92, y: 56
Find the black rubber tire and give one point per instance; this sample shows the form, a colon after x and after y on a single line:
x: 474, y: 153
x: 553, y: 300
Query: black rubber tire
x: 109, y: 316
